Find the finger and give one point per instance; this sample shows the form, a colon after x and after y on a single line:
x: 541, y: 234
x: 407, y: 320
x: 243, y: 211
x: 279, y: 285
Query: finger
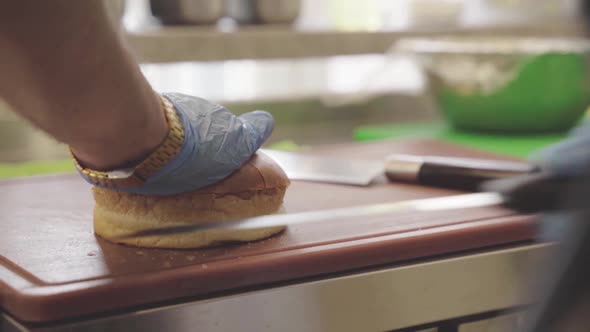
x: 260, y: 121
x: 570, y: 157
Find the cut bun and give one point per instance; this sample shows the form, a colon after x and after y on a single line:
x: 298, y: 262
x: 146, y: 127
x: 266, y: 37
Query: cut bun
x: 257, y: 188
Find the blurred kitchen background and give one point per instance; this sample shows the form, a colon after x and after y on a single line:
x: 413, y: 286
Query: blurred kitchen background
x: 508, y: 76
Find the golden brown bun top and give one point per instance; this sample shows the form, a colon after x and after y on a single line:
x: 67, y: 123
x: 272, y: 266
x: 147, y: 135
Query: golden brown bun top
x: 259, y: 173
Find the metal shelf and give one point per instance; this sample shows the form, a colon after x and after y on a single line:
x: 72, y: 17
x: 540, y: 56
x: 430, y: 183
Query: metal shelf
x: 175, y: 44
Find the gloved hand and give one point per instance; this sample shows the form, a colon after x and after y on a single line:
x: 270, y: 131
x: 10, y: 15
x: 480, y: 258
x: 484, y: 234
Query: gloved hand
x: 568, y: 158
x: 564, y: 166
x: 216, y: 144
x: 571, y: 159
x: 563, y: 273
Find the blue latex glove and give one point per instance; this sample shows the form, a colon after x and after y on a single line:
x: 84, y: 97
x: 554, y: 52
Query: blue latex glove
x: 216, y: 143
x: 570, y: 158
x: 563, y: 164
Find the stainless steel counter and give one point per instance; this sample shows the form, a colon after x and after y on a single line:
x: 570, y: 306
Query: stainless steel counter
x: 388, y: 298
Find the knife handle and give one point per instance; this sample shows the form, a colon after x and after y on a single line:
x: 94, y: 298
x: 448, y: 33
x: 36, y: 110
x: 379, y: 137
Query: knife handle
x: 450, y: 172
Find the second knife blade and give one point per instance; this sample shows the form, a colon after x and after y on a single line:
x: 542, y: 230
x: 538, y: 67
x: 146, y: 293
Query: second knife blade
x: 322, y: 169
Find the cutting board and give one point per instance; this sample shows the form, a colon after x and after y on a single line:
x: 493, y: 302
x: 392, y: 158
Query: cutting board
x: 52, y: 267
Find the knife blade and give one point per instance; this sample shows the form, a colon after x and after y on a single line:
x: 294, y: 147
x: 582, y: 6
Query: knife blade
x: 419, y: 205
x: 322, y: 169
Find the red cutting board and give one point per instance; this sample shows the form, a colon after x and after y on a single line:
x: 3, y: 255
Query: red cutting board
x: 52, y: 267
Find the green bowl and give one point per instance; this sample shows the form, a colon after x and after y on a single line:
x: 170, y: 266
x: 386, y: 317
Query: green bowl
x: 509, y: 85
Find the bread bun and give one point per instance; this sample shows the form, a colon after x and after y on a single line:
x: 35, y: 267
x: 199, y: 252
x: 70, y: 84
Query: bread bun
x: 257, y: 188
